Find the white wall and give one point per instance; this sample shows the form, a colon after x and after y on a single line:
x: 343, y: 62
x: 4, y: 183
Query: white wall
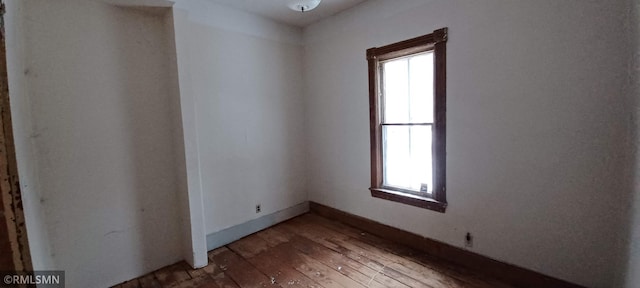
x: 121, y: 99
x: 633, y: 265
x: 101, y: 96
x: 243, y: 75
x: 23, y: 136
x: 536, y: 119
x: 536, y: 133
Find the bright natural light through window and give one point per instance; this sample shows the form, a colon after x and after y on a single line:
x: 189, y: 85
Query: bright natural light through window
x: 407, y: 121
x: 407, y: 109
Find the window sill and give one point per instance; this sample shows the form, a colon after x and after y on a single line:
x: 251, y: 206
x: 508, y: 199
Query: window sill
x: 409, y: 199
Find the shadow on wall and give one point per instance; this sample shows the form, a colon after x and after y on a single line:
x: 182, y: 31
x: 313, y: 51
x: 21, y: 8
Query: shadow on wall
x: 631, y: 259
x: 146, y: 105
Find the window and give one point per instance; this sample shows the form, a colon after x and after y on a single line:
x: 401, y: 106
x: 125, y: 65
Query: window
x: 407, y: 97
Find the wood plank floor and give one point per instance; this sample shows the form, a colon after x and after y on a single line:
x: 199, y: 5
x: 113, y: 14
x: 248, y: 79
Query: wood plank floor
x: 311, y: 251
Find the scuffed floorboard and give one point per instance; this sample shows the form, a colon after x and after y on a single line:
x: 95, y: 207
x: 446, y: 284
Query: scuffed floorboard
x: 311, y: 251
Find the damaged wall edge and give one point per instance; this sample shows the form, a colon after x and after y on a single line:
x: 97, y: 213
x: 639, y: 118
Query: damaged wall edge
x: 10, y: 185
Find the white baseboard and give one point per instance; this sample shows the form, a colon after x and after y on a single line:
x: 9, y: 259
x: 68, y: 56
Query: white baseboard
x: 226, y: 236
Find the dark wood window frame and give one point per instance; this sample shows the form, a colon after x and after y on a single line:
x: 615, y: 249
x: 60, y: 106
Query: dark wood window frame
x: 435, y: 42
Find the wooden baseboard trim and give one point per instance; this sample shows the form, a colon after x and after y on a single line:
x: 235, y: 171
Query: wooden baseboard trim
x: 510, y: 274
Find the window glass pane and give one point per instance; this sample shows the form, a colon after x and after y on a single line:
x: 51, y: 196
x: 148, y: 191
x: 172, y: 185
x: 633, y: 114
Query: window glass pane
x: 421, y: 88
x: 407, y: 157
x: 408, y: 89
x: 396, y: 91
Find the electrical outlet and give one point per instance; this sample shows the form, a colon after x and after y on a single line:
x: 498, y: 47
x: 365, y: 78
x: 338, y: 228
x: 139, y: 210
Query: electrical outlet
x: 258, y: 208
x: 468, y: 240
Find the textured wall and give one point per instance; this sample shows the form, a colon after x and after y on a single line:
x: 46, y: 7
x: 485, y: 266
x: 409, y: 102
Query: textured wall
x: 101, y: 96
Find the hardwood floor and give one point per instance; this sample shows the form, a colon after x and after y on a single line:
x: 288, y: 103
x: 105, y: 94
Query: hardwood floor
x: 311, y: 251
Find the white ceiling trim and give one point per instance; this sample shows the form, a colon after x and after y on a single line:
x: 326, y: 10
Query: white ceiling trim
x: 140, y: 3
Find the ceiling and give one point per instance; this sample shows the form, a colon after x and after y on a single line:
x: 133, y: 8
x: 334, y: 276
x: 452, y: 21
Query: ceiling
x: 278, y: 10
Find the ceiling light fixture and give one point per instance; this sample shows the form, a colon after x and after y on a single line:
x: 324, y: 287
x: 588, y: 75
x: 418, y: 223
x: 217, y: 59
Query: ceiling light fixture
x: 303, y: 5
